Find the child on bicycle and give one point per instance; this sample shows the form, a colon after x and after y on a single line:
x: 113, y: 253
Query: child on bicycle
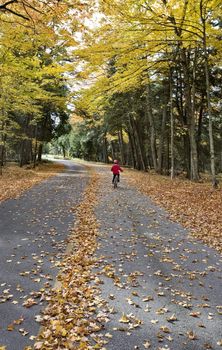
x: 116, y: 170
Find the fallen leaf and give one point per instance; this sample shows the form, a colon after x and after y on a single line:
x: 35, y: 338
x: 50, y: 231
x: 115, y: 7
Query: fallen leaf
x: 29, y: 303
x: 124, y: 319
x: 165, y: 329
x: 191, y: 335
x: 147, y: 344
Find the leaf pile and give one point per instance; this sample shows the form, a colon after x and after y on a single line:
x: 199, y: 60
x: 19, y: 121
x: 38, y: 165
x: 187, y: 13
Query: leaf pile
x: 16, y: 180
x: 194, y: 205
x: 70, y: 321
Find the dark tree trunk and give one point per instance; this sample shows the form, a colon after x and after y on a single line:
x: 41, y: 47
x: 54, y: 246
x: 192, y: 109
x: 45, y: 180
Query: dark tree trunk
x: 191, y: 118
x: 135, y: 143
x: 121, y: 145
x: 204, y: 15
x: 25, y: 152
x: 199, y: 129
x: 152, y: 128
x: 112, y: 150
x: 40, y: 149
x: 133, y: 150
x: 161, y: 142
x: 138, y: 145
x: 63, y: 151
x: 2, y: 152
x: 105, y: 150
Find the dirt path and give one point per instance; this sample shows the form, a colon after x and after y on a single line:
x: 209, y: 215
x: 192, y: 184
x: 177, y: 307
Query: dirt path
x: 163, y: 288
x: 33, y: 232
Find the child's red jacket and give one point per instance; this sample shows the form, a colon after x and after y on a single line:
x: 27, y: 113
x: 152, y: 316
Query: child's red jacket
x: 116, y: 169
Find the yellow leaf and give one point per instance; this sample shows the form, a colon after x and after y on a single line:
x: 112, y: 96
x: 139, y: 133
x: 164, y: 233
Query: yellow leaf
x: 64, y: 332
x: 10, y: 327
x: 191, y: 335
x: 124, y: 319
x: 165, y: 329
x: 148, y: 298
x: 147, y: 344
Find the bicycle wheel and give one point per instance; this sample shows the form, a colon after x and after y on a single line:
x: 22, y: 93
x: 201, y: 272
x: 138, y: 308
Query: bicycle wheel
x: 115, y: 182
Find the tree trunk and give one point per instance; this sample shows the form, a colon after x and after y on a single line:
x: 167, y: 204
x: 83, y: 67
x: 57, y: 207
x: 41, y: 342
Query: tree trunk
x: 112, y: 150
x: 172, y: 167
x: 2, y: 158
x: 191, y: 119
x: 199, y: 129
x: 161, y: 142
x: 63, y: 151
x: 40, y: 148
x: 132, y: 156
x: 121, y: 145
x: 181, y: 109
x: 136, y: 144
x: 105, y: 151
x: 152, y: 128
x: 193, y: 138
x: 35, y: 154
x: 35, y: 148
x: 133, y: 145
x: 187, y: 95
x: 139, y: 147
x: 167, y: 161
x: 209, y: 107
x: 25, y: 152
x: 3, y: 144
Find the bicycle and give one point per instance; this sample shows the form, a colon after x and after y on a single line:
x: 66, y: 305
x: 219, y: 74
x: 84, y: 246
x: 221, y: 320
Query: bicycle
x: 115, y: 181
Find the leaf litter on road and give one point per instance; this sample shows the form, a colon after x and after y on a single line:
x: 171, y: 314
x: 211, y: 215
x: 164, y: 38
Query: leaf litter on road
x: 16, y: 180
x: 72, y: 320
x: 194, y: 205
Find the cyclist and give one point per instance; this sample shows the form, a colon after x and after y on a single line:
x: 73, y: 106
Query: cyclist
x: 116, y: 170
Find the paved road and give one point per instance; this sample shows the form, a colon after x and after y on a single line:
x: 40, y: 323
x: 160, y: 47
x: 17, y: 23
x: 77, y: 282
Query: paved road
x: 33, y: 231
x: 164, y: 289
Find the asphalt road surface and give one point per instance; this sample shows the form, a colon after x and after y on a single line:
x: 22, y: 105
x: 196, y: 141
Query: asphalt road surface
x: 161, y: 288
x: 164, y: 289
x: 33, y: 232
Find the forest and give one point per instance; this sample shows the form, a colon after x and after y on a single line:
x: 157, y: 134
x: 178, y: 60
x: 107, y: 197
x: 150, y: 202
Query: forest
x: 101, y: 80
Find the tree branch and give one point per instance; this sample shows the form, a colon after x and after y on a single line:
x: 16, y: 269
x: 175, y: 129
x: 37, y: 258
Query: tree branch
x: 4, y: 8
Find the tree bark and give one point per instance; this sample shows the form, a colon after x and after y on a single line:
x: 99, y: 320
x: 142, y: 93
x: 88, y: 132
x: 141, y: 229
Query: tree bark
x: 133, y: 144
x: 199, y: 129
x: 172, y: 157
x: 25, y: 152
x: 191, y: 119
x: 63, y: 151
x: 161, y: 140
x: 121, y: 145
x: 152, y: 128
x: 112, y: 150
x: 105, y: 151
x: 131, y: 155
x: 138, y: 144
x: 40, y: 148
x: 35, y: 154
x: 209, y: 107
